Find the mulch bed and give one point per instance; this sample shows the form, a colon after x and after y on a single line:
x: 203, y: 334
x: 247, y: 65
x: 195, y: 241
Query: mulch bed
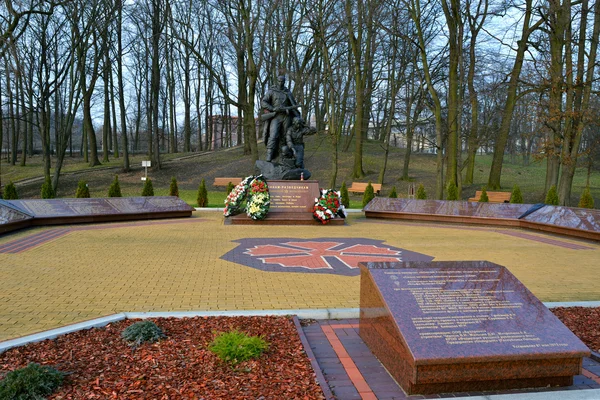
x: 101, y: 365
x: 584, y: 322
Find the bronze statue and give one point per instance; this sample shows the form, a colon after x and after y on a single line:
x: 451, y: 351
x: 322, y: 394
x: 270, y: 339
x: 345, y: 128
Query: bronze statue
x: 294, y: 139
x: 280, y: 107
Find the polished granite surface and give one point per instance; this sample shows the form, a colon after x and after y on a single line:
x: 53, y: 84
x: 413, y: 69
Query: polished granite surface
x: 463, y: 326
x: 101, y: 206
x: 556, y: 219
x: 9, y: 214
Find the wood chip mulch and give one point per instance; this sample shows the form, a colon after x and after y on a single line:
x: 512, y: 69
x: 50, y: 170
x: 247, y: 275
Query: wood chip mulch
x: 584, y: 322
x: 102, y: 366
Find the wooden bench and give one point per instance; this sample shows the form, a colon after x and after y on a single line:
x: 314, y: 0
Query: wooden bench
x: 225, y: 181
x: 360, y: 187
x: 494, y: 197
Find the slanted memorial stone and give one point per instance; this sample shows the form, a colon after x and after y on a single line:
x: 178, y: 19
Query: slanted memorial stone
x: 463, y: 326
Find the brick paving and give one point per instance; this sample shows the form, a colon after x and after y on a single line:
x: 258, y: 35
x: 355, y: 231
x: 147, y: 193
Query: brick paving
x: 176, y: 265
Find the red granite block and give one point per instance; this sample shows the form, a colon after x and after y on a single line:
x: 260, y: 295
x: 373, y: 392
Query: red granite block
x: 463, y: 326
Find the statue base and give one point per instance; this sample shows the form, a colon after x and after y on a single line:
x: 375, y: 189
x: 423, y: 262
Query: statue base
x: 277, y: 171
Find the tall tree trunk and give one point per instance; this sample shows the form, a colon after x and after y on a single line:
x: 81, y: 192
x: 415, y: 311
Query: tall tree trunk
x: 511, y: 99
x: 121, y: 88
x: 155, y: 80
x: 582, y: 93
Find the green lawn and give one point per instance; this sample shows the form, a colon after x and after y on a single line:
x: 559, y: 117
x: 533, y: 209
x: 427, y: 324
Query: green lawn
x: 191, y: 168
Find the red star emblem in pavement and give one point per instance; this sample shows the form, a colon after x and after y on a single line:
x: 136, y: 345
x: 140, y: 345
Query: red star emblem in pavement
x: 319, y: 254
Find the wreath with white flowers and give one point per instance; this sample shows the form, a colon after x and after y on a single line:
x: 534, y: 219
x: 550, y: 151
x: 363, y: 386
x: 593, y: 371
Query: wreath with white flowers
x: 255, y: 191
x: 328, y: 206
x: 259, y: 199
x: 235, y: 199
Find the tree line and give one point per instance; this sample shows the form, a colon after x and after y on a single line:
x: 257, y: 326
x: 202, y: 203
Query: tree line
x: 507, y: 77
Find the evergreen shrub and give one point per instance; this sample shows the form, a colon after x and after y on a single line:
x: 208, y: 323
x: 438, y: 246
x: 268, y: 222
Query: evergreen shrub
x: 32, y: 382
x: 393, y: 193
x: 369, y: 195
x: 202, y: 197
x: 47, y: 190
x: 345, y: 196
x: 10, y: 192
x: 484, y: 196
x: 115, y: 189
x: 148, y: 189
x: 552, y: 196
x: 173, y: 188
x: 142, y: 332
x: 452, y: 191
x: 230, y: 187
x: 516, y: 197
x: 235, y: 347
x: 83, y: 192
x: 421, y: 194
x: 586, y: 200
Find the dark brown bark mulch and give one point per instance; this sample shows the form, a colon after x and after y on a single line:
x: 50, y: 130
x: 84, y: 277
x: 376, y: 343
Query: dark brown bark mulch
x: 584, y: 322
x: 102, y: 366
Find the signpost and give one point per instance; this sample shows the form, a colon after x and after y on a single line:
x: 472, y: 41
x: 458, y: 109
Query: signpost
x: 146, y: 164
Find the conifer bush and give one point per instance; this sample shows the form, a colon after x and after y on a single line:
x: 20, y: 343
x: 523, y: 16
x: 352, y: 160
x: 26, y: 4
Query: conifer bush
x: 32, y: 382
x: 230, y: 187
x: 452, y: 191
x: 369, y: 195
x: 83, y: 192
x: 47, y: 190
x: 142, y: 332
x: 148, y: 189
x: 421, y: 194
x: 586, y: 200
x: 10, y: 192
x: 484, y: 197
x: 115, y: 189
x: 173, y: 188
x: 235, y: 347
x: 202, y: 197
x: 516, y: 197
x: 393, y: 193
x: 344, y: 195
x: 552, y: 196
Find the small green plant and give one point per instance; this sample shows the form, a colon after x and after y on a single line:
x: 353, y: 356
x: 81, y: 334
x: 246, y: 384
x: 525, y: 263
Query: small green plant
x: 235, y: 347
x: 344, y: 195
x: 484, y: 197
x: 32, y: 382
x: 393, y: 193
x: 83, y: 192
x: 516, y: 197
x: 552, y: 196
x: 115, y: 189
x: 47, y: 190
x: 202, y: 197
x: 142, y: 332
x: 10, y: 192
x: 173, y: 189
x: 421, y: 195
x: 148, y: 190
x: 452, y: 191
x: 586, y: 200
x: 230, y: 187
x: 369, y: 195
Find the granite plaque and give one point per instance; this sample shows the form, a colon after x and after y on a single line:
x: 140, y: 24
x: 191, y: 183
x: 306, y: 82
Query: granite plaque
x: 12, y: 218
x: 463, y: 326
x: 68, y: 211
x: 293, y: 196
x: 578, y: 222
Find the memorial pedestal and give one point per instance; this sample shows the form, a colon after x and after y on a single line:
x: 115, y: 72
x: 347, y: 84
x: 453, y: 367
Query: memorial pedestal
x: 463, y: 326
x: 291, y: 204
